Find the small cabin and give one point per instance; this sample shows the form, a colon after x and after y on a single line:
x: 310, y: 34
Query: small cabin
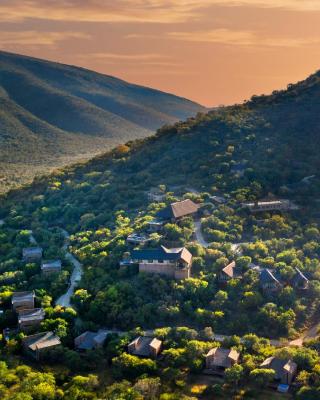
x: 144, y: 346
x: 90, y: 340
x: 229, y: 272
x: 36, y: 346
x: 270, y: 205
x: 219, y: 359
x: 51, y: 267
x: 285, y: 370
x: 22, y: 301
x: 268, y: 281
x: 30, y: 319
x: 300, y: 281
x: 32, y: 254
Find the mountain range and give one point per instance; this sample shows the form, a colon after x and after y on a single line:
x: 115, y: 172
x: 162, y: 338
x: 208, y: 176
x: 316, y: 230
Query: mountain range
x: 53, y: 114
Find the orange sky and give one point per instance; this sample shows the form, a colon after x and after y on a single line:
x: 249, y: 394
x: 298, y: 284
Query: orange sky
x: 211, y: 51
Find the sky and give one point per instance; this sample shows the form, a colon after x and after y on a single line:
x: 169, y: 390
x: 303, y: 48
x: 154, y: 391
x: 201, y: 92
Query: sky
x: 211, y: 51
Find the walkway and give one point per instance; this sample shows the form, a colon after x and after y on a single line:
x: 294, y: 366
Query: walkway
x: 200, y: 239
x: 65, y: 299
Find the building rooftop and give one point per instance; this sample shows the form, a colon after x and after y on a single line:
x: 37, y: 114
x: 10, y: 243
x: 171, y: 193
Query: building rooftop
x: 89, y: 340
x: 229, y: 269
x: 143, y: 345
x: 162, y: 254
x: 279, y: 366
x: 30, y: 251
x: 41, y: 341
x: 222, y: 356
x: 52, y: 264
x: 22, y: 296
x: 300, y: 278
x: 266, y: 276
x: 31, y: 315
x: 178, y: 209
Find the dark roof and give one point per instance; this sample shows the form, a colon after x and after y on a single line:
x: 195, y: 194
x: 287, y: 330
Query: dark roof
x: 300, y: 277
x: 178, y: 209
x: 22, y: 296
x: 162, y: 254
x: 89, y: 340
x: 279, y: 366
x: 144, y: 344
x: 32, y: 251
x: 52, y: 264
x: 267, y: 276
x: 222, y: 356
x: 31, y: 315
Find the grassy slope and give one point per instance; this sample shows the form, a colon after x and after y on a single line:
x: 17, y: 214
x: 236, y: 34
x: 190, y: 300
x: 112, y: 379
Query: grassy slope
x: 52, y: 114
x: 277, y: 136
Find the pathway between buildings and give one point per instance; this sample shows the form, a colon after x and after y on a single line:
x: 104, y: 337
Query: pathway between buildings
x: 65, y: 299
x: 200, y: 239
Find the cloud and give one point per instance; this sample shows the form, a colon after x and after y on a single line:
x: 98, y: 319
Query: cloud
x: 293, y: 5
x: 36, y: 38
x: 155, y: 11
x: 137, y: 11
x: 241, y: 38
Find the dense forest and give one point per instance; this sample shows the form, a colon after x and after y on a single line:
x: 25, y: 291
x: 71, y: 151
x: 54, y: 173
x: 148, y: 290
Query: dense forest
x: 265, y: 149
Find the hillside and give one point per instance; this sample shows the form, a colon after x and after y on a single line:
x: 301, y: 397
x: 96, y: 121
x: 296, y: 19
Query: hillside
x: 53, y: 114
x: 266, y: 149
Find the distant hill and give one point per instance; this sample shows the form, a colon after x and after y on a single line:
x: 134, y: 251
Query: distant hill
x: 52, y: 114
x: 274, y: 140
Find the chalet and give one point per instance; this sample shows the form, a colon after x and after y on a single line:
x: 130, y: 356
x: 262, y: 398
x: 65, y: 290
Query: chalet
x: 144, y: 346
x: 175, y: 263
x: 178, y: 210
x: 22, y: 300
x: 270, y: 205
x: 285, y: 370
x: 229, y: 272
x: 51, y: 267
x: 90, y: 340
x: 219, y: 359
x: 37, y: 345
x: 300, y: 281
x: 135, y: 238
x: 268, y: 281
x: 156, y: 194
x: 32, y: 254
x: 29, y: 319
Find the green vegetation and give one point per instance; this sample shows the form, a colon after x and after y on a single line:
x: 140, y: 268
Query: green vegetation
x: 103, y: 201
x: 53, y: 114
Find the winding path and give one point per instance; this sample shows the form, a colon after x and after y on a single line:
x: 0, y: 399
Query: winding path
x: 64, y: 300
x: 200, y: 239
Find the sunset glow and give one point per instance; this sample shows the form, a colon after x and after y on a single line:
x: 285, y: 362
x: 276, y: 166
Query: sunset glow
x: 211, y: 51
